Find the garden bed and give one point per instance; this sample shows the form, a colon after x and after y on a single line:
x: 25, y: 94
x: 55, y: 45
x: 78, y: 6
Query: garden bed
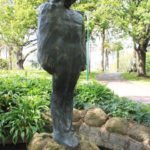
x: 24, y: 97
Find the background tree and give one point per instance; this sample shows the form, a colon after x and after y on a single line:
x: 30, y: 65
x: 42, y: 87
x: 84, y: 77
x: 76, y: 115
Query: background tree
x: 102, y: 13
x: 107, y: 51
x: 18, y: 21
x: 117, y: 47
x: 134, y: 19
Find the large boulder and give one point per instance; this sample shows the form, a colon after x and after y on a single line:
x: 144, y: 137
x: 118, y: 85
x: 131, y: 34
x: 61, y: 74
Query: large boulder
x: 139, y: 132
x: 95, y: 117
x: 76, y: 115
x: 117, y: 125
x: 76, y: 125
x: 44, y: 141
x: 83, y: 113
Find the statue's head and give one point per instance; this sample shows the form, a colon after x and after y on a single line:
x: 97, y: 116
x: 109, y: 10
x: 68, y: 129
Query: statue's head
x: 67, y: 3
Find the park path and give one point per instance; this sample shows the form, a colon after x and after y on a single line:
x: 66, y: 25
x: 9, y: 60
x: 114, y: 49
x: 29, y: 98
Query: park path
x: 123, y: 88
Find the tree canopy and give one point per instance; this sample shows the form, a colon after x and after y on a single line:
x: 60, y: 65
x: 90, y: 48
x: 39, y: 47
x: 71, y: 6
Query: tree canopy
x: 18, y: 21
x: 132, y: 17
x: 16, y: 18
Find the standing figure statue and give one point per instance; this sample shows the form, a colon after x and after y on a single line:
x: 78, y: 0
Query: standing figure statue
x: 61, y: 52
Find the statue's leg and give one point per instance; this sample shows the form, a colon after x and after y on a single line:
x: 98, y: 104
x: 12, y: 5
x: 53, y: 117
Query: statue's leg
x: 62, y: 107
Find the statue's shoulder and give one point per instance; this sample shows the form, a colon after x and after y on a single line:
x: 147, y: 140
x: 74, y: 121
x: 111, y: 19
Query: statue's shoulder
x: 77, y: 15
x: 42, y: 6
x: 46, y: 7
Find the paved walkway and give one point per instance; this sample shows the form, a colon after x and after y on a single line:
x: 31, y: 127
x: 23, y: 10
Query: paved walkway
x: 123, y: 88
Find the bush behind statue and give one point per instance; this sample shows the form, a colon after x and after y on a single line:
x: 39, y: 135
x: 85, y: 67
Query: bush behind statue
x: 24, y: 97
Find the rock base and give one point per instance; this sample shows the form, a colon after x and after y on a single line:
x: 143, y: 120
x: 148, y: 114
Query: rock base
x: 109, y: 132
x: 44, y: 141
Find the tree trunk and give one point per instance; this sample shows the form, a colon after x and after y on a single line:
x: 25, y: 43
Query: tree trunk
x: 141, y: 49
x: 133, y: 64
x: 134, y: 55
x: 20, y: 59
x: 117, y: 61
x: 10, y: 58
x: 141, y: 63
x: 102, y: 50
x: 134, y: 61
x: 106, y: 60
x: 0, y: 53
x: 20, y: 64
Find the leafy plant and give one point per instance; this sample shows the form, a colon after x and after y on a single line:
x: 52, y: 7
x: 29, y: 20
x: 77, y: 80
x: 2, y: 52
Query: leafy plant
x: 22, y: 99
x: 91, y: 93
x: 25, y: 96
x: 96, y: 95
x: 24, y: 119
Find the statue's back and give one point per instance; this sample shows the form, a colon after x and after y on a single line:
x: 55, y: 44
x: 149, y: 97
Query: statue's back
x: 60, y: 38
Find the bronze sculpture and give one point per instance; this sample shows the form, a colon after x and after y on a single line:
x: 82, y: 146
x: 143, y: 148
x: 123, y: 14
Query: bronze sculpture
x: 61, y: 52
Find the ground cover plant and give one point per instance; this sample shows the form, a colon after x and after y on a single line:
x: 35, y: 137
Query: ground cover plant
x: 133, y: 77
x: 96, y: 95
x: 24, y: 95
x: 22, y: 99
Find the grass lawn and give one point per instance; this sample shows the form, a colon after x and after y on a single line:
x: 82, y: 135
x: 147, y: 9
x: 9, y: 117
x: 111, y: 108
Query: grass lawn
x: 134, y: 78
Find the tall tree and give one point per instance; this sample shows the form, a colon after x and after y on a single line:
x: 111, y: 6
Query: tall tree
x: 107, y: 51
x: 17, y: 22
x: 102, y: 13
x: 117, y: 47
x: 134, y: 18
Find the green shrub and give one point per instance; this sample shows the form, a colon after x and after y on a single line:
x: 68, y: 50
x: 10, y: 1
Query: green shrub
x: 25, y: 95
x: 22, y: 99
x: 96, y: 95
x: 24, y: 119
x: 91, y: 94
x: 123, y: 107
x: 3, y: 64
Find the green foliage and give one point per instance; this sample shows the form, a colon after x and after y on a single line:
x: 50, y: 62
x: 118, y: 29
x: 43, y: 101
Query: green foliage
x: 133, y: 77
x: 18, y: 22
x: 134, y: 18
x: 117, y: 46
x: 91, y: 94
x: 22, y: 99
x: 24, y: 119
x: 148, y: 62
x: 3, y: 64
x: 122, y: 107
x: 97, y: 95
x: 16, y: 19
x: 101, y: 12
x: 24, y: 96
